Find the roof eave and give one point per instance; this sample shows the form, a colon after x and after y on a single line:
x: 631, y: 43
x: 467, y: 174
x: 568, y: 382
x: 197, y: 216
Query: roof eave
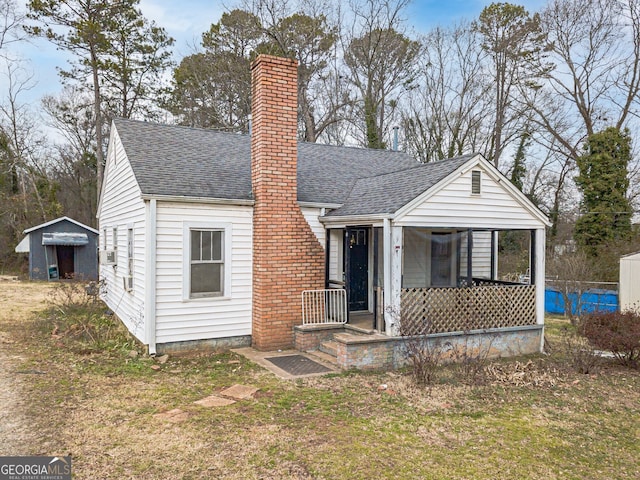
x: 331, y: 206
x: 355, y: 219
x: 209, y: 200
x: 57, y: 220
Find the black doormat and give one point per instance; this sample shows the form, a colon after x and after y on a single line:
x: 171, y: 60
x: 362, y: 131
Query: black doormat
x: 298, y: 365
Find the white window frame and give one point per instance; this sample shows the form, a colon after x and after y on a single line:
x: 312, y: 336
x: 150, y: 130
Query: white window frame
x: 226, y: 230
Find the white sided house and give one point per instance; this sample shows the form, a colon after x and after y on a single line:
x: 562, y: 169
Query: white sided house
x: 209, y: 239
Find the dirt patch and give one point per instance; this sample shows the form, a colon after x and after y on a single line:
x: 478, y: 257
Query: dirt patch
x: 19, y: 301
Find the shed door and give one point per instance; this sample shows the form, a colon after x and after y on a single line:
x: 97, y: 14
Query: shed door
x: 65, y: 261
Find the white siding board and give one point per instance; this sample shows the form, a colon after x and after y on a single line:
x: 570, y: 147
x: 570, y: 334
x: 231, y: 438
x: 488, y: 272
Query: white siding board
x: 312, y: 216
x: 481, y: 255
x: 122, y: 207
x: 178, y: 319
x: 454, y: 206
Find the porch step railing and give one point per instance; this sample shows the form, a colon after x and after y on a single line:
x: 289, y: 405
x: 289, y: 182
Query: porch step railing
x: 324, y: 306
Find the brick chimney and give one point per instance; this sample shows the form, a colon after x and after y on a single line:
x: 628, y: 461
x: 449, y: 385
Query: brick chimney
x: 287, y: 257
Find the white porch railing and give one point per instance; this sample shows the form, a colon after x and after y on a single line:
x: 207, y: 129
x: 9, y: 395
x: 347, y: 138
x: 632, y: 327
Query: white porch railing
x: 324, y: 306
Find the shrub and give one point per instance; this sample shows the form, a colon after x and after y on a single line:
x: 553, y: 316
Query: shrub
x: 79, y: 320
x: 469, y: 359
x: 579, y: 352
x: 424, y: 357
x: 616, y: 332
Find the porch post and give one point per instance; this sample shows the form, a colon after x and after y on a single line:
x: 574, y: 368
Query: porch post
x: 387, y: 305
x: 347, y: 268
x: 376, y: 320
x: 539, y: 278
x: 469, y: 257
x: 396, y: 278
x: 532, y: 257
x: 494, y: 254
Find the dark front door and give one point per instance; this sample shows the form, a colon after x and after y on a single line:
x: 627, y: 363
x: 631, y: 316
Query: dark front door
x: 358, y: 268
x: 65, y: 261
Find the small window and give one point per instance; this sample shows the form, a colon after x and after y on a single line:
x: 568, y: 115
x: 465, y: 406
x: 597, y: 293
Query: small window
x: 475, y: 182
x: 206, y: 263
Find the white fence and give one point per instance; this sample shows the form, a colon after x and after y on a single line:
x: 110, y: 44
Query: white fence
x: 324, y: 306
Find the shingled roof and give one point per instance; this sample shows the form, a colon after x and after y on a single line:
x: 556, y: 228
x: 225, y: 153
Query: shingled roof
x: 170, y: 160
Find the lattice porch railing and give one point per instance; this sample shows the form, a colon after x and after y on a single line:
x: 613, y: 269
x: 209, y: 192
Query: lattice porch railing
x: 442, y: 310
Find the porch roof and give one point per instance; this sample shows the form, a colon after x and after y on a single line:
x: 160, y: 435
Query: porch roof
x: 387, y: 193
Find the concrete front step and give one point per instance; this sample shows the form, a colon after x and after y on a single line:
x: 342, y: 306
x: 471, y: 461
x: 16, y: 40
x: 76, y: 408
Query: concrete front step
x: 325, y: 358
x: 329, y: 347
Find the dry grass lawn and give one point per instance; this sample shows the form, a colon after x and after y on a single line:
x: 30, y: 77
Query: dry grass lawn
x: 96, y: 401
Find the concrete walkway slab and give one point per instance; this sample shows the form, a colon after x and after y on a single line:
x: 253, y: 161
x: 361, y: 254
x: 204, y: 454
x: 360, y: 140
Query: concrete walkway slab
x: 239, y: 392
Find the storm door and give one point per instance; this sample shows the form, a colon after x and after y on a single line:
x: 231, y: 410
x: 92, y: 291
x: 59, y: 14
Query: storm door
x: 357, y: 268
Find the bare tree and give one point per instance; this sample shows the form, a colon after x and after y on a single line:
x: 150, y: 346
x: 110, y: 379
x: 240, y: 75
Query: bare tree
x: 74, y: 170
x: 595, y: 48
x: 380, y: 58
x: 11, y: 21
x: 448, y: 115
x: 308, y: 31
x: 26, y: 194
x: 25, y: 143
x: 570, y: 272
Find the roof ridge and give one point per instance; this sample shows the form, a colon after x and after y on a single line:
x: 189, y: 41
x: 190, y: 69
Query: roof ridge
x: 242, y: 134
x: 419, y: 165
x: 178, y: 126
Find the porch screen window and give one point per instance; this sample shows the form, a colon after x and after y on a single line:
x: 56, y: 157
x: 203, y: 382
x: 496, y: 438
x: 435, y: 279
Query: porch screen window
x: 207, y: 263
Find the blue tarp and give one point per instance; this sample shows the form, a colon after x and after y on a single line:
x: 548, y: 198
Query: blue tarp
x: 592, y: 300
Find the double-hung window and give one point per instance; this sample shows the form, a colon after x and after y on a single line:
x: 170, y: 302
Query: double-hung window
x: 206, y: 264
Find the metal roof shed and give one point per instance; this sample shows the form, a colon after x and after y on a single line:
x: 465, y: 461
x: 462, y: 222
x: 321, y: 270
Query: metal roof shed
x: 630, y: 282
x: 62, y: 248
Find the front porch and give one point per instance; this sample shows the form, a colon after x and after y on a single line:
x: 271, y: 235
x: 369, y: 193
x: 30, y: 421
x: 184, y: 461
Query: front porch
x: 447, y: 285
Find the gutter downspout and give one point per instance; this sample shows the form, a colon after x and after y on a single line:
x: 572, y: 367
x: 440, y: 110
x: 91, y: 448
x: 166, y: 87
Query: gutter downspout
x: 150, y: 275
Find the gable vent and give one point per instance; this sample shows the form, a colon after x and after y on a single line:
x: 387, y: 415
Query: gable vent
x: 475, y: 182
